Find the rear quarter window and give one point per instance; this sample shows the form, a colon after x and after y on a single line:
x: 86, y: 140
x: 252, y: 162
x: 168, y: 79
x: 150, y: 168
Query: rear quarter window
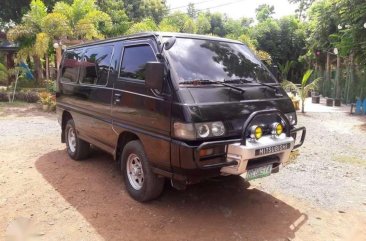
x: 95, y: 65
x: 70, y: 66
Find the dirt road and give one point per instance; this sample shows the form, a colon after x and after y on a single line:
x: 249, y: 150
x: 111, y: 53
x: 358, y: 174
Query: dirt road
x: 49, y: 197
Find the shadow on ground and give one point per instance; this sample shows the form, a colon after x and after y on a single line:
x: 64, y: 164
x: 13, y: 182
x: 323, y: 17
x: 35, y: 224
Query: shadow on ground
x: 219, y: 209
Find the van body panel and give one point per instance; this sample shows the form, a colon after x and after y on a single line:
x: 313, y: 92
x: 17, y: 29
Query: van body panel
x: 138, y: 108
x: 124, y: 104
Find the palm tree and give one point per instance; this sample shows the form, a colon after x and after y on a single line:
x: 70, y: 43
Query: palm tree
x: 39, y: 29
x: 305, y: 87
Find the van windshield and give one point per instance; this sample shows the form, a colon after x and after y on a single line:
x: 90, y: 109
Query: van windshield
x: 212, y: 60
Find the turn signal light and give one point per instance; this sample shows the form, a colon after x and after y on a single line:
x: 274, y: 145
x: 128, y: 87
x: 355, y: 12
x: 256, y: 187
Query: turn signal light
x: 206, y: 152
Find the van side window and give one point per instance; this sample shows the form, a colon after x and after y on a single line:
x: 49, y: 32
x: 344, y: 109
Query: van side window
x: 134, y: 61
x: 70, y: 67
x: 95, y: 65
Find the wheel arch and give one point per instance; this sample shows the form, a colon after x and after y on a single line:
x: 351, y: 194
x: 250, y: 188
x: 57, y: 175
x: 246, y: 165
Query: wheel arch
x: 65, y: 117
x: 123, y: 139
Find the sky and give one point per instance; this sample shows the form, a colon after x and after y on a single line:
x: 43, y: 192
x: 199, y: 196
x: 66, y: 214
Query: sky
x: 237, y: 8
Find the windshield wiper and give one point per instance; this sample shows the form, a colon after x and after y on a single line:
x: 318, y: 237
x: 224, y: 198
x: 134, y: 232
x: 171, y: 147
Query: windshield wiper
x: 207, y: 82
x: 243, y: 81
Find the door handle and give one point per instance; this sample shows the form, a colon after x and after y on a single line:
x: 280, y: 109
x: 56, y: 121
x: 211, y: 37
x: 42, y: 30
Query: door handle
x: 117, y: 98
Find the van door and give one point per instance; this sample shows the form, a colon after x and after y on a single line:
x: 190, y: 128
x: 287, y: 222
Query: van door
x: 94, y: 94
x: 138, y: 109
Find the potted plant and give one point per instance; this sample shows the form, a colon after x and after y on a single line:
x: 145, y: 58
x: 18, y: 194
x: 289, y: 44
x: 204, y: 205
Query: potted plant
x: 305, y: 87
x: 295, y: 100
x: 52, y: 103
x: 329, y: 102
x: 44, y: 99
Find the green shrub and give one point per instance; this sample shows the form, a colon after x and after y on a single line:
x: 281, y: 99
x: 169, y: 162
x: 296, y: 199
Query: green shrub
x: 50, y: 86
x: 31, y: 97
x: 21, y: 96
x: 26, y: 96
x: 4, y: 96
x: 25, y: 83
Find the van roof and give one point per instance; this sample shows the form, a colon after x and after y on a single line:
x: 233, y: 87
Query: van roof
x: 155, y: 34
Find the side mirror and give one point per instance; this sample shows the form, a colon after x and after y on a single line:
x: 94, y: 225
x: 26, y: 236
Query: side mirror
x: 169, y: 43
x: 154, y: 75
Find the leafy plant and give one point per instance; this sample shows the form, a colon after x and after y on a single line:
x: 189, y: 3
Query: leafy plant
x: 48, y: 100
x: 3, y: 73
x: 50, y: 86
x: 44, y: 98
x: 285, y: 68
x: 305, y: 87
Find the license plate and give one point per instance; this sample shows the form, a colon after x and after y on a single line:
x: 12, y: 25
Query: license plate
x: 258, y: 172
x: 272, y: 149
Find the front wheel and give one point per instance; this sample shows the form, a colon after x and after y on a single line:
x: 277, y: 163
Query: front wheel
x: 141, y: 183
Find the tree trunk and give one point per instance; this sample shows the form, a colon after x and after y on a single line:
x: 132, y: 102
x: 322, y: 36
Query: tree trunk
x: 351, y: 77
x: 337, y: 77
x: 37, y: 68
x: 303, y: 106
x: 320, y: 75
x: 9, y: 65
x: 47, y: 67
x: 58, y: 59
x: 327, y: 75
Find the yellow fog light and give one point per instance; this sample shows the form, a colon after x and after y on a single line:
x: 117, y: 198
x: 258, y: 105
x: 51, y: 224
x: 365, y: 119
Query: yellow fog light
x: 256, y: 132
x: 277, y: 129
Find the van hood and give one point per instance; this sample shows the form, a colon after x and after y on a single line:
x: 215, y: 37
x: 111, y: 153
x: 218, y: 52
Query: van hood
x: 222, y: 103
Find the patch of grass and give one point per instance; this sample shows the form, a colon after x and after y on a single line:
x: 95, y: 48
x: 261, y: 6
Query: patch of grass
x: 4, y: 106
x: 13, y: 104
x: 293, y: 156
x: 350, y: 160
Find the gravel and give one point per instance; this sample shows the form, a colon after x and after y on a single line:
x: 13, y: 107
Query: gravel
x: 330, y: 169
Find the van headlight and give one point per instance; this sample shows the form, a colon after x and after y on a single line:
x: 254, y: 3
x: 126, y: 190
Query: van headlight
x: 291, y: 118
x: 193, y: 131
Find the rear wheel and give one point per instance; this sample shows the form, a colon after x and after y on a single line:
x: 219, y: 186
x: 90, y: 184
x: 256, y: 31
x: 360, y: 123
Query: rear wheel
x: 76, y: 148
x: 141, y: 183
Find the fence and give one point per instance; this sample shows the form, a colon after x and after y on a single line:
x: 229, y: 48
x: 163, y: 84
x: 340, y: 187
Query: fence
x: 352, y: 83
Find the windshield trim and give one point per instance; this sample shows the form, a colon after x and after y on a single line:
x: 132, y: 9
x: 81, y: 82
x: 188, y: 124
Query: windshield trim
x: 204, y: 37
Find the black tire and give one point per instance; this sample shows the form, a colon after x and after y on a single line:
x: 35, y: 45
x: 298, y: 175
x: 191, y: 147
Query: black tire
x: 152, y: 186
x: 81, y: 148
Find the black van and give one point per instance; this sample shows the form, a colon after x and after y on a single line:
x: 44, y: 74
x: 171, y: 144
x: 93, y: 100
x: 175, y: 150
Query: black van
x: 178, y: 106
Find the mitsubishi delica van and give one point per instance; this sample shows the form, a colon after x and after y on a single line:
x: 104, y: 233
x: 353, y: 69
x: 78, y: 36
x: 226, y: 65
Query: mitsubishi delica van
x: 174, y: 106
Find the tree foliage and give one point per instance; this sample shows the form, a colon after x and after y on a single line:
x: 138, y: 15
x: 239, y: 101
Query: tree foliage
x: 303, y: 6
x: 137, y: 10
x: 79, y: 20
x: 319, y: 25
x: 264, y: 12
x: 283, y: 39
x: 3, y: 72
x: 120, y: 20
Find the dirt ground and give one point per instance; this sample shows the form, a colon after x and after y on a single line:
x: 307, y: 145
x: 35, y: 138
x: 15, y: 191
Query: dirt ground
x: 44, y: 195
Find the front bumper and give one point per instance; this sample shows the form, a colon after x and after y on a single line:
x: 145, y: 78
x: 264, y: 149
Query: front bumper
x: 277, y: 149
x: 247, y: 151
x: 238, y: 155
